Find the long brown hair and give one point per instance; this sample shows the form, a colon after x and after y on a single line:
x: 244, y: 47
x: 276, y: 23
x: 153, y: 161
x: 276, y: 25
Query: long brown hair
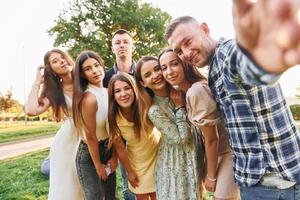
x: 80, y: 85
x: 191, y: 74
x: 139, y: 107
x: 52, y: 87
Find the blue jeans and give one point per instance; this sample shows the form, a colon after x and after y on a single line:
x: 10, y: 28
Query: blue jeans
x: 45, y: 167
x: 127, y: 194
x: 259, y: 191
x: 93, y: 187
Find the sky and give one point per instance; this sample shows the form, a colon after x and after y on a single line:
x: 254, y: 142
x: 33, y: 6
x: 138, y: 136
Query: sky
x: 24, y: 39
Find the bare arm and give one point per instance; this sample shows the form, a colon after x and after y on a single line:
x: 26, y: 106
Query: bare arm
x: 89, y: 109
x: 203, y: 114
x: 122, y: 154
x: 34, y: 105
x: 211, y: 144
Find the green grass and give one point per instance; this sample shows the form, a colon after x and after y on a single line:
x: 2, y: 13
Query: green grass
x: 18, y: 131
x: 21, y: 179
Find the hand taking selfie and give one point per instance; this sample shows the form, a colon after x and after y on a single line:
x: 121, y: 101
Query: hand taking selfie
x: 270, y: 31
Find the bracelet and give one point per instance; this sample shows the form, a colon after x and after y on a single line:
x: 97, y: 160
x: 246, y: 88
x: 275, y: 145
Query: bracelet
x: 36, y: 85
x: 211, y: 179
x: 176, y: 109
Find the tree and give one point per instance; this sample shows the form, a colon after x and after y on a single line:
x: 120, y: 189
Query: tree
x: 298, y: 93
x: 89, y: 24
x: 7, y: 102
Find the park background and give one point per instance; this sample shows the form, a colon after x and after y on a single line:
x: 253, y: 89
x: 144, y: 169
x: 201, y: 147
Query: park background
x: 24, y: 41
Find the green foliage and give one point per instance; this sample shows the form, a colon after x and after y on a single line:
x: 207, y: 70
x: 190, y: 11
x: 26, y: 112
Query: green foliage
x: 8, y: 104
x: 32, y: 130
x: 89, y: 24
x: 295, y: 111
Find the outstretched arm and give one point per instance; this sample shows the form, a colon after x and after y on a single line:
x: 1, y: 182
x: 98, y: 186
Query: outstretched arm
x: 269, y: 31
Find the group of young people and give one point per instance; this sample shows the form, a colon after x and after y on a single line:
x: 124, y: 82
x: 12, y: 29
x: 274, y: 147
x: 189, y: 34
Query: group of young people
x: 175, y: 131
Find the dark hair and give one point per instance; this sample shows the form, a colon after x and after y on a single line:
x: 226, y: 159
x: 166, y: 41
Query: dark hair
x: 121, y: 32
x: 175, y: 22
x: 80, y: 85
x: 191, y: 74
x: 52, y: 88
x: 138, y: 75
x: 139, y: 107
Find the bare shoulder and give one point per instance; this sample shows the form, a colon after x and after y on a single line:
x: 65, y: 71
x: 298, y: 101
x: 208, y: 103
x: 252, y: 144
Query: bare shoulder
x: 89, y: 101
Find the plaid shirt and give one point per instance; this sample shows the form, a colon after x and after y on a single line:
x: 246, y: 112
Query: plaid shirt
x: 262, y: 133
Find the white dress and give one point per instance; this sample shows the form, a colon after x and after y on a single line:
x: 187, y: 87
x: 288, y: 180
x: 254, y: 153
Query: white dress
x: 64, y: 181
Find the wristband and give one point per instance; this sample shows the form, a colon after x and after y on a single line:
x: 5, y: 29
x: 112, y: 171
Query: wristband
x: 176, y: 109
x: 36, y: 85
x: 211, y: 179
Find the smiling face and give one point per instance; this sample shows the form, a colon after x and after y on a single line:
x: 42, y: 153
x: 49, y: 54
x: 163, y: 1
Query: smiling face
x: 59, y: 64
x: 123, y: 94
x: 152, y: 77
x: 93, y: 71
x: 172, y: 68
x: 191, y: 42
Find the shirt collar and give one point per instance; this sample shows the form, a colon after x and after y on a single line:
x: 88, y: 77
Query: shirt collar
x: 132, y: 68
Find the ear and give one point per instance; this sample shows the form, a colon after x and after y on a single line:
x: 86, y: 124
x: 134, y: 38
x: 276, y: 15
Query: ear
x: 112, y: 49
x: 204, y: 28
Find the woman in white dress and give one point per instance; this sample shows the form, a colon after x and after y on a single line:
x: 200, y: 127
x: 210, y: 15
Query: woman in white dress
x: 57, y: 94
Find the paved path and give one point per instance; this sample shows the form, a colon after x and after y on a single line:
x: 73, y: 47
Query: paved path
x: 16, y: 149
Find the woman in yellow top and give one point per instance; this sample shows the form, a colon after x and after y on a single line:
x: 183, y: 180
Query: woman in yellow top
x: 127, y: 117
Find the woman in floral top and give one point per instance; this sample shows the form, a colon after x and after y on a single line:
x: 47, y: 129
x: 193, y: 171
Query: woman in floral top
x: 178, y: 163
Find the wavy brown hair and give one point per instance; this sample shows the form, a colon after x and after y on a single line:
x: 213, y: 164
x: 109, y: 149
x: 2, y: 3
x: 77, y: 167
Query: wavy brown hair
x: 80, y: 86
x: 139, y: 107
x: 52, y: 87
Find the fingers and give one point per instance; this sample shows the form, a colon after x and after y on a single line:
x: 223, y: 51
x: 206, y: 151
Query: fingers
x: 41, y: 67
x: 292, y: 57
x: 241, y: 6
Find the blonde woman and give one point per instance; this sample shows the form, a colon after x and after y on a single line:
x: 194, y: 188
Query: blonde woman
x: 128, y: 121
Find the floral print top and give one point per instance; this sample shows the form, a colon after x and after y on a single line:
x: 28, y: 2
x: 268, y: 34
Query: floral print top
x: 178, y: 161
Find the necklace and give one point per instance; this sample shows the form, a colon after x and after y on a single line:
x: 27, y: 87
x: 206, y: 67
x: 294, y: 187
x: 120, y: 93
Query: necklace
x: 68, y: 89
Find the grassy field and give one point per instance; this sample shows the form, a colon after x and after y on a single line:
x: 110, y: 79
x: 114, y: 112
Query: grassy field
x: 21, y: 179
x: 18, y: 131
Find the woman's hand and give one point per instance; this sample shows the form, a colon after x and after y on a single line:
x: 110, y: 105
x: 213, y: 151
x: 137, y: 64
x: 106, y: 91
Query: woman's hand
x: 40, y: 75
x: 210, y: 184
x: 113, y: 162
x: 101, y: 172
x: 133, y: 179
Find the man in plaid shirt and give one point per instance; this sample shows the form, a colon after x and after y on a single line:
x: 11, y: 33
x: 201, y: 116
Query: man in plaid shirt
x: 242, y: 77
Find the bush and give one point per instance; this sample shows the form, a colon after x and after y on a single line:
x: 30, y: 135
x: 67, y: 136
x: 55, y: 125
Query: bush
x: 295, y: 111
